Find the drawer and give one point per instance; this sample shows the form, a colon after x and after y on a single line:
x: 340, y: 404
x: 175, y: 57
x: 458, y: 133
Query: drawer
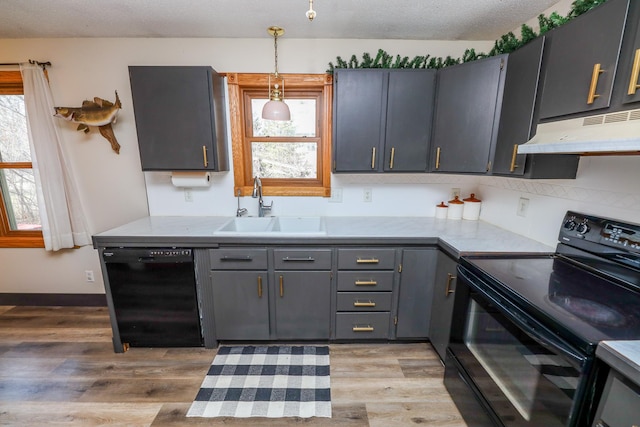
x: 238, y: 259
x: 366, y: 259
x: 364, y: 301
x: 302, y: 259
x: 365, y: 281
x: 362, y: 325
x: 621, y: 403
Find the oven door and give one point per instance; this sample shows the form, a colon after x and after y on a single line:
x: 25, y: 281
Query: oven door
x: 519, y: 372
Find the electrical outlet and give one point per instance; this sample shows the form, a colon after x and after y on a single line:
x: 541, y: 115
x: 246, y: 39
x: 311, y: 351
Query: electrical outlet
x: 367, y: 195
x: 455, y: 192
x: 523, y: 207
x: 336, y: 195
x: 88, y: 275
x: 188, y: 195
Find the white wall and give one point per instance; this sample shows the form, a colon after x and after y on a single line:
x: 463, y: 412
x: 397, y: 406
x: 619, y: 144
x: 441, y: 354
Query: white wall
x: 115, y: 191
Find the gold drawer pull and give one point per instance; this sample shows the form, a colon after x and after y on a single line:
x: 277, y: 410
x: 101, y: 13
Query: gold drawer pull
x: 594, y: 84
x: 366, y: 282
x: 369, y: 303
x: 635, y: 72
x: 514, y: 157
x: 367, y: 328
x: 204, y: 156
x: 259, y: 286
x: 447, y: 290
x: 437, y: 158
x: 367, y: 261
x: 281, y: 286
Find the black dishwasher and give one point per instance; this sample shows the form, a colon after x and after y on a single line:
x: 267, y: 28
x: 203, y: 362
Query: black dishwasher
x: 153, y: 297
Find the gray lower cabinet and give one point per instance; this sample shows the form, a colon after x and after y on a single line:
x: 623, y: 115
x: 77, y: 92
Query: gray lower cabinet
x: 302, y: 281
x: 442, y: 304
x: 620, y: 403
x: 415, y: 293
x: 366, y: 281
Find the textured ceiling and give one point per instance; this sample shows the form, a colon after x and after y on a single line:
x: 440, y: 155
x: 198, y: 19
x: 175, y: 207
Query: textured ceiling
x: 353, y: 19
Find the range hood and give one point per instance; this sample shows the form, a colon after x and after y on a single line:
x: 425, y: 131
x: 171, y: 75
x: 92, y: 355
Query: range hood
x: 606, y: 134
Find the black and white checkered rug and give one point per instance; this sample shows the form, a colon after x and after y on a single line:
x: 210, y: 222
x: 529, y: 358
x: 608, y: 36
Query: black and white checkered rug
x: 266, y: 381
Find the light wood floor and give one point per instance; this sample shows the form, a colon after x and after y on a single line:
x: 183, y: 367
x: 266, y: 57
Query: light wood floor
x: 57, y: 367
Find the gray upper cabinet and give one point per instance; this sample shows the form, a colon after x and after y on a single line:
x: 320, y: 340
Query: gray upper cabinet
x: 382, y: 120
x: 628, y: 78
x: 465, y: 115
x: 180, y: 117
x: 442, y: 304
x: 582, y: 61
x: 517, y: 122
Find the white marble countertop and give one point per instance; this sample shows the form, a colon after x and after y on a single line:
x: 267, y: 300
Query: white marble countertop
x: 623, y: 356
x: 462, y: 236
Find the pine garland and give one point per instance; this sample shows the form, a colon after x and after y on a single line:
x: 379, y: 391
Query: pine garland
x: 505, y: 44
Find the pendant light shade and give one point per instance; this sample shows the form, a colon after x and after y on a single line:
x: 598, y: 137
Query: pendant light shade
x: 276, y: 108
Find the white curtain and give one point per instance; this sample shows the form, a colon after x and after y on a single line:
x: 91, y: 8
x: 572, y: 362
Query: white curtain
x: 61, y: 213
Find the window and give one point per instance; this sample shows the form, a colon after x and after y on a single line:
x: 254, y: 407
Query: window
x: 20, y: 224
x: 291, y: 158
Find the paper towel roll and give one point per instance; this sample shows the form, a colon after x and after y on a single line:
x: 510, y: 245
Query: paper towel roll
x: 190, y: 179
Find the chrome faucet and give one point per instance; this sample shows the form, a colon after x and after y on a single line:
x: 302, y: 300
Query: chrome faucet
x: 257, y: 193
x: 240, y: 211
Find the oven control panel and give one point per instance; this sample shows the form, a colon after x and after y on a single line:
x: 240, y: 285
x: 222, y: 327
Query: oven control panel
x: 578, y: 227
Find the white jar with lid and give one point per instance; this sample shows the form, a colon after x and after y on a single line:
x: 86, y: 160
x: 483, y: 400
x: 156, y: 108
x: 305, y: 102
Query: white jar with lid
x: 455, y: 208
x: 471, y: 209
x: 441, y: 211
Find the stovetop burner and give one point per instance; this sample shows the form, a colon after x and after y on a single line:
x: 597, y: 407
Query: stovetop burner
x: 590, y: 311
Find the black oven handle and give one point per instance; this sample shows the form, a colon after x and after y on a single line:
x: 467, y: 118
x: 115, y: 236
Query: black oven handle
x: 526, y: 323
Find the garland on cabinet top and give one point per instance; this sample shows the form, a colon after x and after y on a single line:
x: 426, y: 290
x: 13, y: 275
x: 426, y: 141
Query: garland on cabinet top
x: 506, y: 44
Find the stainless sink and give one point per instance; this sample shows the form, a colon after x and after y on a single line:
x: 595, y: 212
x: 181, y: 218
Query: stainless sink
x: 275, y: 226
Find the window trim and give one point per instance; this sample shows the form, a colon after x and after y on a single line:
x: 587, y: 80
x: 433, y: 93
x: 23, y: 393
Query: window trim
x: 243, y: 183
x: 11, y: 84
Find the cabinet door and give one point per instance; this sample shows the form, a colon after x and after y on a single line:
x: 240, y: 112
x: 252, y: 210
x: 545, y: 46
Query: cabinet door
x: 629, y: 74
x: 303, y: 308
x: 409, y: 117
x: 240, y: 305
x: 465, y: 114
x: 442, y: 307
x: 358, y: 119
x: 577, y: 48
x: 179, y: 124
x: 416, y: 292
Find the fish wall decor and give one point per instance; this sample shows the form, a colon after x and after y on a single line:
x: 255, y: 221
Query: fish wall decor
x: 99, y: 113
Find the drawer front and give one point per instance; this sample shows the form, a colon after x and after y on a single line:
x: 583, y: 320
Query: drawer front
x: 238, y: 259
x: 365, y: 281
x: 366, y: 259
x: 302, y: 259
x: 364, y: 301
x: 362, y: 326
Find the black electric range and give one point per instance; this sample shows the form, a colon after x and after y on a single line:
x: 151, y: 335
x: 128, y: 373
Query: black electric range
x: 519, y: 317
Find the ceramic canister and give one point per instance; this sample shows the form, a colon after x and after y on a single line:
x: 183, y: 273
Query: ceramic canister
x: 441, y: 210
x: 471, y: 208
x: 455, y: 208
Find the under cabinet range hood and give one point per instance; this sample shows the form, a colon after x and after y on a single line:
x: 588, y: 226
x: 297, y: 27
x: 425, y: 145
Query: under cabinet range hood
x: 605, y: 134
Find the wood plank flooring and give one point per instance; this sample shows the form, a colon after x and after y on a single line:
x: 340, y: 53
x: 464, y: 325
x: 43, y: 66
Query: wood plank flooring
x: 57, y: 367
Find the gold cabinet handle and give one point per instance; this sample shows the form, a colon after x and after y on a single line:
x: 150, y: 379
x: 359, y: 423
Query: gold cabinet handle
x: 393, y: 155
x: 635, y: 71
x: 367, y: 261
x: 204, y: 156
x: 259, y: 286
x: 447, y: 289
x: 438, y: 158
x: 594, y: 84
x: 514, y: 156
x: 369, y: 303
x: 367, y: 328
x: 365, y: 282
x: 373, y: 157
x: 281, y: 286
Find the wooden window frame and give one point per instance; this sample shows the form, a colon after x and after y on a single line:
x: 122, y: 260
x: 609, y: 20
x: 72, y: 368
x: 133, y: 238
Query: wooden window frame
x: 241, y: 83
x: 11, y: 84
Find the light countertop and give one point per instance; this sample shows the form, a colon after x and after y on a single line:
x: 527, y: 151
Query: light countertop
x: 457, y: 236
x: 623, y: 356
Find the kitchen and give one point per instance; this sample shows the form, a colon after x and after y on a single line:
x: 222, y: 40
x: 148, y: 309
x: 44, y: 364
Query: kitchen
x: 605, y: 185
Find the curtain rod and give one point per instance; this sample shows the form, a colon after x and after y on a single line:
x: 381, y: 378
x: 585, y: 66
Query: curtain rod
x: 31, y: 61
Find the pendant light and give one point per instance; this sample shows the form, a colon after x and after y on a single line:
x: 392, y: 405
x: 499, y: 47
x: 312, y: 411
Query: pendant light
x: 275, y: 108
